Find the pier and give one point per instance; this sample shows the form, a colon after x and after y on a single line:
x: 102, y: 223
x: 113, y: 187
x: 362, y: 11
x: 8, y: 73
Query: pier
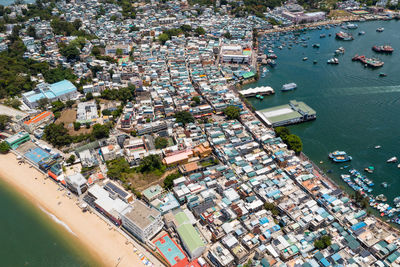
x: 262, y: 90
x: 292, y: 113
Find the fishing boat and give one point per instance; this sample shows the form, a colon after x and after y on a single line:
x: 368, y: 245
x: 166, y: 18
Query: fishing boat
x: 271, y: 62
x: 288, y: 87
x: 378, y: 146
x: 383, y: 48
x: 368, y: 62
x: 333, y: 60
x: 340, y: 51
x: 323, y: 35
x: 392, y: 160
x: 315, y: 62
x: 384, y: 185
x: 305, y: 58
x: 382, y: 74
x: 381, y: 197
x: 369, y: 169
x: 344, y: 36
x: 380, y: 29
x: 272, y: 56
x: 361, y: 33
x: 316, y: 45
x: 339, y: 156
x: 398, y: 166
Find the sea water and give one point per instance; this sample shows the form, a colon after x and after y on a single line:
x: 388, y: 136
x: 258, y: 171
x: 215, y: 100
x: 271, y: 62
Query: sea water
x: 356, y: 109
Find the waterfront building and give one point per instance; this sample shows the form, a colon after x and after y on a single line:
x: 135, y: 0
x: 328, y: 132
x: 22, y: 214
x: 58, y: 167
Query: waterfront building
x: 107, y: 203
x: 142, y: 221
x: 292, y: 113
x: 17, y: 139
x: 63, y: 90
x: 76, y: 183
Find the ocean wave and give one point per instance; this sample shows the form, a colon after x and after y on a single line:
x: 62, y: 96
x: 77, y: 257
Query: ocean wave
x: 58, y: 221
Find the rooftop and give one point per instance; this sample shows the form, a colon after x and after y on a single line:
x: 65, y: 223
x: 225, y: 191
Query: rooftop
x: 140, y: 214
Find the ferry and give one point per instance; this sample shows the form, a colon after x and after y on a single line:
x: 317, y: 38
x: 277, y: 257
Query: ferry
x: 392, y: 160
x: 333, y: 61
x: 344, y: 36
x: 371, y: 62
x: 383, y: 48
x: 339, y: 156
x: 380, y: 29
x: 351, y: 26
x: 288, y: 87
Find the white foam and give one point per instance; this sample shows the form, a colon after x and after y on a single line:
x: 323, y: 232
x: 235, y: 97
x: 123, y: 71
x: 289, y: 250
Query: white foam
x: 58, y: 221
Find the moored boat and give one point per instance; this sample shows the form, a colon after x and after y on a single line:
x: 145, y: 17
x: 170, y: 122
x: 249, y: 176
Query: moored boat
x: 369, y: 62
x: 392, y: 160
x: 288, y: 87
x: 339, y: 156
x: 333, y: 61
x: 380, y: 29
x: 344, y: 36
x: 383, y: 48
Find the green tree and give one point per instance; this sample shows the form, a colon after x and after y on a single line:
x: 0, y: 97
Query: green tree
x: 4, y: 147
x: 13, y: 102
x: 119, y: 52
x: 31, y: 31
x: 184, y: 117
x: 294, y: 143
x: 71, y: 52
x: 100, y: 131
x: 69, y: 103
x: 323, y: 242
x: 169, y: 180
x: 4, y: 120
x: 271, y: 207
x: 200, y: 31
x: 57, y: 135
x: 71, y: 159
x: 282, y: 132
x: 227, y: 35
x: 163, y: 38
x: 150, y: 163
x: 196, y: 99
x: 89, y: 96
x: 232, y: 112
x: 117, y: 168
x: 161, y: 142
x: 42, y: 103
x: 77, y: 125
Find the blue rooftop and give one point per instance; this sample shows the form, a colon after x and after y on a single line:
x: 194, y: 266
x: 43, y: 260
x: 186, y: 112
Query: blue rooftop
x: 53, y: 91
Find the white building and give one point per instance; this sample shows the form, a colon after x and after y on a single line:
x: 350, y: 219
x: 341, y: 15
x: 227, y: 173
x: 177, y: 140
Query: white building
x: 87, y: 112
x: 142, y: 221
x: 76, y: 183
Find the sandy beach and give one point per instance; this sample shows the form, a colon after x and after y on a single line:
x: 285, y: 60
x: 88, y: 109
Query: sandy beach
x: 109, y: 247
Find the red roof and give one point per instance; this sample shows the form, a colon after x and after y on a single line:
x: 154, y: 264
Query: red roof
x: 39, y: 117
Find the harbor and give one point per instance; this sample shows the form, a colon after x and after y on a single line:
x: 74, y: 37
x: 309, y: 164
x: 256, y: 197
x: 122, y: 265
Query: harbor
x: 339, y: 95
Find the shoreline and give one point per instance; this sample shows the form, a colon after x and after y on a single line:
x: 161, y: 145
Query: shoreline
x: 321, y: 174
x: 107, y: 247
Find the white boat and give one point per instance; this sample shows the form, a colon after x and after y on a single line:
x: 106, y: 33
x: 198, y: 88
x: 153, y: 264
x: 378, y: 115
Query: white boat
x: 380, y: 29
x: 352, y: 26
x: 377, y: 147
x: 392, y: 160
x: 398, y: 166
x: 288, y: 87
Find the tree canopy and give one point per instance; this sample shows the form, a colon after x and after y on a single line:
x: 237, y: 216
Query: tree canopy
x: 161, y: 142
x: 323, y: 242
x: 184, y: 117
x: 232, y: 112
x: 169, y: 180
x: 150, y: 163
x: 4, y: 119
x: 4, y: 147
x: 292, y: 141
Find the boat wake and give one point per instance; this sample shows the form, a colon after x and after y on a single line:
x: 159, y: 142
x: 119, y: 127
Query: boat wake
x: 58, y: 221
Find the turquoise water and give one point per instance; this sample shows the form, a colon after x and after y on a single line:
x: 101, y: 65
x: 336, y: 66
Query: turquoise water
x: 30, y: 238
x: 356, y: 109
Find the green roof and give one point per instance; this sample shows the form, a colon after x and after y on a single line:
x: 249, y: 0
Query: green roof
x: 248, y: 74
x: 181, y: 218
x: 190, y: 236
x: 152, y: 191
x: 287, y: 112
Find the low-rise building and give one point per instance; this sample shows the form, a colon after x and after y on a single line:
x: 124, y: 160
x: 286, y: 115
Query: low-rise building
x: 76, y: 183
x: 41, y: 119
x: 142, y: 221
